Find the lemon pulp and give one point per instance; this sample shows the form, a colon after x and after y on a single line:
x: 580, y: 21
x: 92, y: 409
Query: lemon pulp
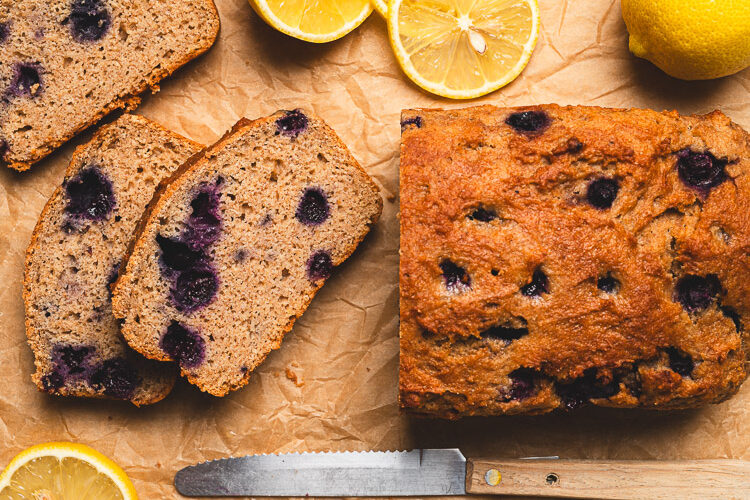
x: 463, y: 48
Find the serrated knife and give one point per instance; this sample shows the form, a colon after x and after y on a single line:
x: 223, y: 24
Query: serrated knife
x: 431, y: 472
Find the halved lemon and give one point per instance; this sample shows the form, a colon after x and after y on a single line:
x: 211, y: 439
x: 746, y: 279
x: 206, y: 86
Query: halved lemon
x: 463, y: 49
x: 381, y: 6
x: 64, y: 471
x: 313, y: 20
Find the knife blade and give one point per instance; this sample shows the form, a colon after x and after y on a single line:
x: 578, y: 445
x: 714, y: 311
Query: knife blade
x: 399, y: 473
x: 430, y: 472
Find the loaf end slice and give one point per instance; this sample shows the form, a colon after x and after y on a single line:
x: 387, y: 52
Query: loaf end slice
x: 74, y: 256
x: 237, y: 243
x: 64, y: 64
x: 554, y: 257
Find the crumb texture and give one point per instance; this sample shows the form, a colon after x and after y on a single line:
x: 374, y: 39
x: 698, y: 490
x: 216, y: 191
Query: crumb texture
x: 237, y: 244
x: 74, y: 257
x: 553, y: 257
x: 66, y: 63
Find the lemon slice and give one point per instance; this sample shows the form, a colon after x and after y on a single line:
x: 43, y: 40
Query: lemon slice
x: 381, y: 6
x: 313, y: 20
x: 64, y: 471
x: 463, y: 49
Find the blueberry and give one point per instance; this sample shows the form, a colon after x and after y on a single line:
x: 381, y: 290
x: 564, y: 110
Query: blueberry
x: 4, y: 32
x: 539, y: 284
x: 680, y: 362
x: 26, y: 81
x: 89, y: 20
x: 115, y: 378
x: 579, y: 391
x: 696, y: 293
x: 608, y: 284
x: 319, y: 266
x: 505, y: 333
x: 203, y: 225
x: 416, y: 121
x: 292, y: 124
x: 700, y: 171
x: 176, y: 255
x: 529, y: 121
x: 90, y: 195
x: 522, y: 383
x: 313, y: 208
x: 113, y: 274
x: 71, y: 360
x: 53, y: 381
x: 456, y: 278
x: 183, y: 345
x: 483, y: 215
x: 194, y: 288
x: 601, y: 193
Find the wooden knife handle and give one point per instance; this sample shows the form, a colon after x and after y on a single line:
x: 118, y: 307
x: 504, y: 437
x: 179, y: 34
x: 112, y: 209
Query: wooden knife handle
x: 623, y: 479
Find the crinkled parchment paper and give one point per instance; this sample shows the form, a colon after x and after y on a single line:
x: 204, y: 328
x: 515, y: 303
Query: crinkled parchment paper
x: 343, y: 353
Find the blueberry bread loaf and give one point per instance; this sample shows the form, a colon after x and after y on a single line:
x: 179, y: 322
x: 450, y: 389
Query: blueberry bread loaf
x: 557, y: 256
x: 64, y: 64
x: 236, y: 244
x: 74, y: 256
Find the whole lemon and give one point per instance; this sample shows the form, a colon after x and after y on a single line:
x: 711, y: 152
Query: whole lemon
x: 690, y: 39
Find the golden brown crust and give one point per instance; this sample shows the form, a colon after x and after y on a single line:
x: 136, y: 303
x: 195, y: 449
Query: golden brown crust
x: 44, y: 216
x: 574, y: 342
x: 127, y: 102
x: 165, y: 190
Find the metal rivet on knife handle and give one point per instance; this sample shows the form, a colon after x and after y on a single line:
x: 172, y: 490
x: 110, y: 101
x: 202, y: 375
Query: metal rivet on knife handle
x: 493, y: 477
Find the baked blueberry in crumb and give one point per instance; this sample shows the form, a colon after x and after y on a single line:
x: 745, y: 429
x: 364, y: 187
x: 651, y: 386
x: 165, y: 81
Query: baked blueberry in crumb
x: 4, y: 32
x: 319, y: 266
x: 601, y: 193
x: 89, y: 20
x: 416, y: 121
x: 194, y: 288
x: 539, y: 284
x: 608, y: 284
x: 71, y: 360
x: 680, y: 362
x: 313, y: 208
x: 52, y: 381
x: 177, y: 255
x: 456, y: 278
x: 528, y: 121
x: 183, y: 345
x: 204, y: 224
x: 522, y: 383
x: 700, y: 171
x: 115, y: 378
x: 292, y: 124
x: 113, y: 274
x: 90, y: 195
x: 26, y: 81
x: 483, y: 214
x: 505, y: 333
x: 696, y: 293
x: 578, y: 392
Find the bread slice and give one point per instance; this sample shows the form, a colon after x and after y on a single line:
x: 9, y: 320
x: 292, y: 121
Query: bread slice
x: 64, y: 64
x: 75, y: 253
x: 237, y: 243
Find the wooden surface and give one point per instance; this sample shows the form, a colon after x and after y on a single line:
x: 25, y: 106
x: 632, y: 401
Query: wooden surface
x: 625, y: 479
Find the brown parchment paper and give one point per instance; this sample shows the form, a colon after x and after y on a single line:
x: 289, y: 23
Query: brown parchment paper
x: 343, y: 353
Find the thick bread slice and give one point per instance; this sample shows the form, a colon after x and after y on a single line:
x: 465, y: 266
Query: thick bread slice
x: 74, y: 255
x: 64, y: 64
x: 236, y: 244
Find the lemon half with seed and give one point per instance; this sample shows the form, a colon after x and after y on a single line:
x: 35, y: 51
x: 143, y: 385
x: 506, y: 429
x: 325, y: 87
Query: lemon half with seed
x: 316, y: 21
x: 463, y: 49
x: 64, y: 471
